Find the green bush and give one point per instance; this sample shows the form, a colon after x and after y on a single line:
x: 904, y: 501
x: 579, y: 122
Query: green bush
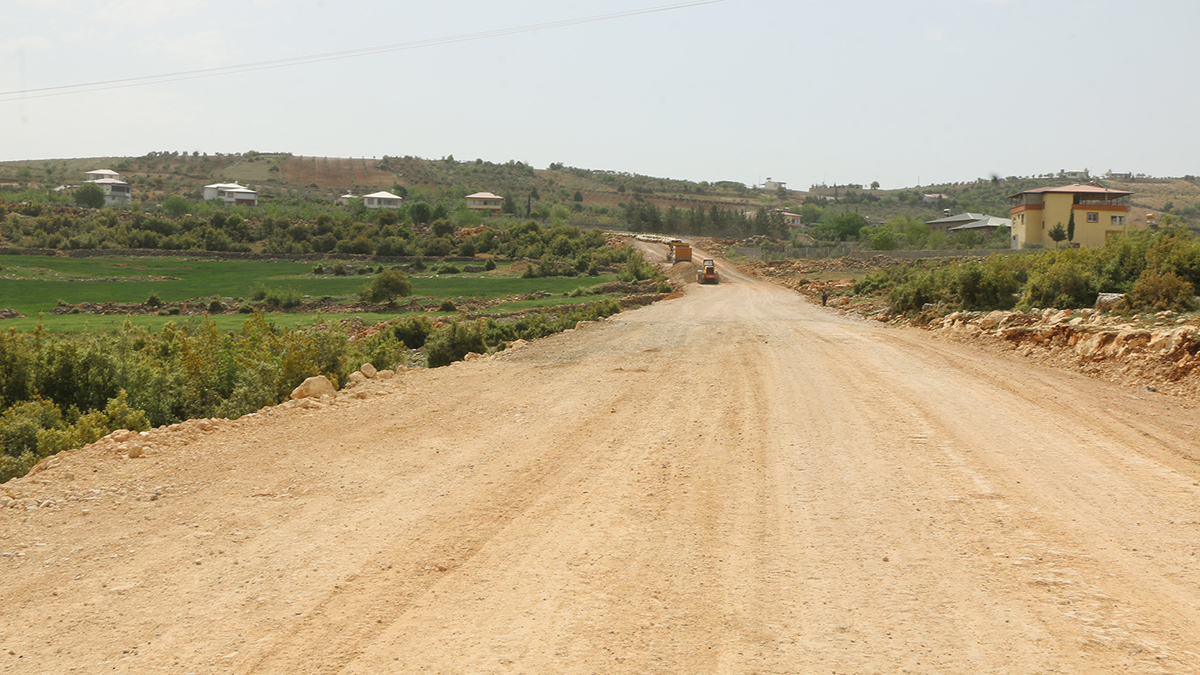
x: 413, y: 331
x: 284, y: 297
x: 447, y: 306
x: 451, y: 343
x: 215, y: 307
x: 489, y: 265
x: 152, y: 301
x: 1065, y: 284
x: 1156, y: 291
x: 387, y: 286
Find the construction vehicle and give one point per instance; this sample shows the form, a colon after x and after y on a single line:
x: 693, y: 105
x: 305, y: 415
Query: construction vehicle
x: 707, y: 274
x: 677, y: 251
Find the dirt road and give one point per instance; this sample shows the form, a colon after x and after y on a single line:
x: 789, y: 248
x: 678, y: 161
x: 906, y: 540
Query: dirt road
x: 734, y: 481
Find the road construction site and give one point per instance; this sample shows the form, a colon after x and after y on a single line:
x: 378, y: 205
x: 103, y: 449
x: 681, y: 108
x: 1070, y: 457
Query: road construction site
x: 735, y: 480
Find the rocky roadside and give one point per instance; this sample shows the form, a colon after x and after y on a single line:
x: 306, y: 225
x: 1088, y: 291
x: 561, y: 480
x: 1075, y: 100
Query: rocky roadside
x: 1153, y: 352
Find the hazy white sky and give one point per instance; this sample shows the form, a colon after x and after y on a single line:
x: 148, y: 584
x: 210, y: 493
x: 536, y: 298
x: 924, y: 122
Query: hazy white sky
x: 806, y: 91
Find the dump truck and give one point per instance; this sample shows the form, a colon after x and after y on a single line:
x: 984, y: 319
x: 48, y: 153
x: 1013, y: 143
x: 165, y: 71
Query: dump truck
x: 677, y: 251
x: 707, y: 274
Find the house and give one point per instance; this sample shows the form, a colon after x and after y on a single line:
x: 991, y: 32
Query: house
x: 1074, y: 175
x: 116, y: 191
x: 985, y: 226
x: 961, y: 221
x: 772, y: 185
x: 485, y: 201
x: 1099, y: 214
x: 933, y: 197
x: 792, y: 219
x: 231, y: 193
x: 382, y: 200
x: 345, y: 200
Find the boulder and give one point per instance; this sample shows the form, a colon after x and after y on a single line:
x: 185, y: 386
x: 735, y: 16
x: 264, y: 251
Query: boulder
x: 385, y: 374
x: 993, y: 319
x: 314, y: 387
x: 368, y: 370
x: 356, y: 377
x: 1106, y: 301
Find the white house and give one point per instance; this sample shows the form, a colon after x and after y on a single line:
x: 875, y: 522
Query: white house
x: 345, y: 200
x: 231, y: 193
x: 382, y: 200
x: 116, y: 191
x: 772, y: 185
x: 485, y: 201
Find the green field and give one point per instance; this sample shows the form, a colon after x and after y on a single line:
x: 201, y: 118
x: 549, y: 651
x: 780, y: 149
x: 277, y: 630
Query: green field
x: 34, y: 285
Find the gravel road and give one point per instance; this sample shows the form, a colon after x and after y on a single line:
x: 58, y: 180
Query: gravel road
x: 734, y: 481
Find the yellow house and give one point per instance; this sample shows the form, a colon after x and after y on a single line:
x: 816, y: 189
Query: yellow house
x: 1099, y: 214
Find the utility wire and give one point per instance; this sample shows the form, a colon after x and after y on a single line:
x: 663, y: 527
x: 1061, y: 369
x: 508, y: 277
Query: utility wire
x: 67, y: 89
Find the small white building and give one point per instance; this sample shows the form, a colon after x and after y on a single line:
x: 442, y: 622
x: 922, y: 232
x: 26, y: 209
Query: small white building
x: 345, y: 200
x: 772, y: 185
x: 231, y: 193
x: 485, y: 201
x: 382, y: 200
x: 116, y: 191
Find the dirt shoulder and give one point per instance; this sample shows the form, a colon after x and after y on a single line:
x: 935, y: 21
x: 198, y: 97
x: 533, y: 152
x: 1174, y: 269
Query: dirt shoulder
x: 730, y: 481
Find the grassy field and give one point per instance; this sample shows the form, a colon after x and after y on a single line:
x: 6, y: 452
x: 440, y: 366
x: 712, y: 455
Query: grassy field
x: 34, y: 285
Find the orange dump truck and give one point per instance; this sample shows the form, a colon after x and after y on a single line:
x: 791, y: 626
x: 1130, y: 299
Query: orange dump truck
x: 678, y: 252
x: 707, y: 274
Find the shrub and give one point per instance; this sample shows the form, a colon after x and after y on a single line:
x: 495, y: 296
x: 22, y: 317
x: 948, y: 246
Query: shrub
x: 453, y: 342
x: 339, y: 270
x: 1063, y: 285
x: 176, y: 205
x: 413, y: 331
x: 284, y: 297
x: 490, y: 264
x: 447, y: 306
x: 245, y: 308
x: 319, y: 269
x: 215, y: 307
x: 387, y: 286
x: 152, y: 301
x: 1155, y: 291
x: 449, y: 269
x: 258, y: 291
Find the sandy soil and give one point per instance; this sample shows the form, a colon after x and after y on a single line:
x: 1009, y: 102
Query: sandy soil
x: 734, y: 481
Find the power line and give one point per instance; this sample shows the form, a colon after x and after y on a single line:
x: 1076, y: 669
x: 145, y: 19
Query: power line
x: 67, y: 89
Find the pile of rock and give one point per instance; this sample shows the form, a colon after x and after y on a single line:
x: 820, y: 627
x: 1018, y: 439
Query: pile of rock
x: 1163, y: 349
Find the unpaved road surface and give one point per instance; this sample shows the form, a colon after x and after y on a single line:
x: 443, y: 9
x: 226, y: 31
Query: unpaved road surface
x: 734, y: 481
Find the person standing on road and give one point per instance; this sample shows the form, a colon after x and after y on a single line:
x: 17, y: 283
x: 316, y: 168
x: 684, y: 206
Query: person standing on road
x: 824, y: 296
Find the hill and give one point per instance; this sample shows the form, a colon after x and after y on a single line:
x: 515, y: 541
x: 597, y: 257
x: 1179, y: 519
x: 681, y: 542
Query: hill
x: 594, y: 196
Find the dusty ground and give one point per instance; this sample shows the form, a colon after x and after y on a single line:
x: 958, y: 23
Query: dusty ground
x: 734, y: 481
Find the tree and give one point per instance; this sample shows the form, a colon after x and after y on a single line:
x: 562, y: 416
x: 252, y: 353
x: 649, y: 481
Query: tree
x: 578, y: 196
x: 387, y: 286
x: 1057, y: 233
x: 874, y: 185
x: 90, y: 195
x: 1071, y: 226
x: 421, y: 213
x: 176, y: 205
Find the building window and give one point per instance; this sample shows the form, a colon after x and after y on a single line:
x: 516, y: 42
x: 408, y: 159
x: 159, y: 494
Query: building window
x: 1093, y: 217
x: 1118, y: 220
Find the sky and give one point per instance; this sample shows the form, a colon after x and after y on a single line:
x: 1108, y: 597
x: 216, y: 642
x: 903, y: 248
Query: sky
x: 807, y: 92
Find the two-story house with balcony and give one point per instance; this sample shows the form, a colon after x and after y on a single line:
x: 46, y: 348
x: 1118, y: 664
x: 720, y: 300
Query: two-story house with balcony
x: 116, y: 191
x: 1099, y: 214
